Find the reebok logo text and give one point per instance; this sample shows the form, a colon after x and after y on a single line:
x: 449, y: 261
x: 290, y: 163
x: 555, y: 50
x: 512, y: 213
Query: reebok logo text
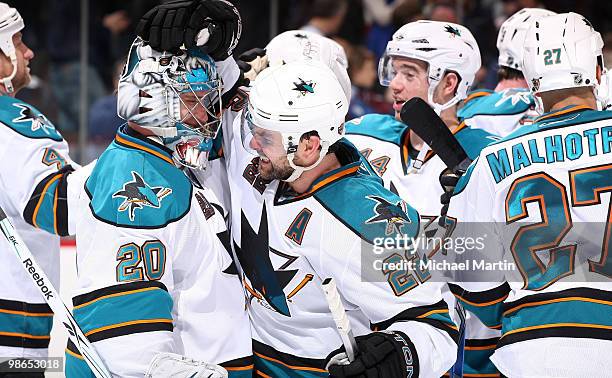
x: 40, y: 281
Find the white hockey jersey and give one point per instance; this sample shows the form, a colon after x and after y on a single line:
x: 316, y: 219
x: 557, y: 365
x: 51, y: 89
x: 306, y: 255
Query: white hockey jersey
x: 498, y: 113
x: 154, y: 265
x: 287, y: 244
x: 32, y: 182
x: 542, y: 194
x: 384, y: 141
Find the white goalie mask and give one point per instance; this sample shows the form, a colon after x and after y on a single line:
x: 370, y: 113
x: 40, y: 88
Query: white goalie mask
x: 295, y: 45
x: 10, y: 24
x: 288, y: 101
x: 511, y: 36
x: 155, y: 86
x: 444, y: 46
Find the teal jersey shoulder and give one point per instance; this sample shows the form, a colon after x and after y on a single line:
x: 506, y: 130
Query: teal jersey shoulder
x: 26, y: 120
x: 506, y: 102
x: 380, y: 126
x: 474, y: 140
x: 362, y: 204
x: 135, y: 185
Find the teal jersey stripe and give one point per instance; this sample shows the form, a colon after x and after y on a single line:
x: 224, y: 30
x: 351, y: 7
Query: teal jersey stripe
x: 478, y: 362
x: 46, y: 215
x: 77, y: 368
x: 442, y: 317
x: 276, y: 370
x: 489, y: 315
x: 575, y: 312
x: 141, y: 305
x: 240, y: 374
x: 29, y: 325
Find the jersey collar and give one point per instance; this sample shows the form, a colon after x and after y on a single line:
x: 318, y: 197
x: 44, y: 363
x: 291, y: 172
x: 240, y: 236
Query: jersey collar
x: 406, y: 143
x: 563, y: 111
x: 131, y: 139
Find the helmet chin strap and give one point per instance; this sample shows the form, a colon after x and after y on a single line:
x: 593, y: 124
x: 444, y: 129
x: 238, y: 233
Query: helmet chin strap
x: 297, y: 170
x: 7, y: 81
x: 438, y: 108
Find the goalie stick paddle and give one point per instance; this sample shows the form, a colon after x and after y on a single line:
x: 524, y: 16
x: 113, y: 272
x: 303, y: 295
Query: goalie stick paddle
x: 40, y: 279
x: 340, y: 318
x: 423, y: 120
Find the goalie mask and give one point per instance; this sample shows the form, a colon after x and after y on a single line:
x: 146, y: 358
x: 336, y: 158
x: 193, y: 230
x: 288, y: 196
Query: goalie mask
x: 444, y: 46
x: 176, y: 97
x: 286, y: 102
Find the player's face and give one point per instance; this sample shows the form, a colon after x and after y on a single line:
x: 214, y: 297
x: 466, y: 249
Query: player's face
x: 273, y: 162
x: 193, y: 112
x: 24, y: 55
x: 410, y: 80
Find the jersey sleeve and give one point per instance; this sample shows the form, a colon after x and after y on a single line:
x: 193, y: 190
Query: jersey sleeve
x: 396, y: 301
x: 36, y: 180
x: 470, y: 216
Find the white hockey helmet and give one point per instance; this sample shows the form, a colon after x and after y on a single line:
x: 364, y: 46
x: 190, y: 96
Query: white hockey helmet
x: 149, y: 94
x: 295, y: 45
x: 10, y: 24
x: 444, y: 46
x: 511, y: 36
x: 292, y: 99
x: 562, y: 51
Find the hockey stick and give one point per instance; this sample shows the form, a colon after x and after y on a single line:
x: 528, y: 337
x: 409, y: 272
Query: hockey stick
x: 424, y: 121
x: 39, y: 278
x: 340, y: 318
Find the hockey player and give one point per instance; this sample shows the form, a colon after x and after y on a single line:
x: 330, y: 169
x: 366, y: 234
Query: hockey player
x: 36, y: 164
x: 535, y: 191
x: 155, y: 274
x: 510, y: 105
x: 436, y: 61
x: 301, y: 209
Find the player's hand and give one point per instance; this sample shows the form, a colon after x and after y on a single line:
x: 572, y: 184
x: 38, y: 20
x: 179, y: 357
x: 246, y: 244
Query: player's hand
x: 252, y: 62
x: 381, y: 354
x: 448, y: 180
x: 214, y: 24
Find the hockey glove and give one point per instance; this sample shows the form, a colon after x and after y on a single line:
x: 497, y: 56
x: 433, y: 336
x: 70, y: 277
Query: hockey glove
x: 252, y: 62
x: 380, y: 355
x: 215, y: 24
x: 448, y: 180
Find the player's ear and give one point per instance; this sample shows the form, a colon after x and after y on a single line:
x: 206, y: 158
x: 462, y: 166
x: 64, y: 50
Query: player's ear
x: 310, y: 145
x: 598, y: 74
x: 449, y: 85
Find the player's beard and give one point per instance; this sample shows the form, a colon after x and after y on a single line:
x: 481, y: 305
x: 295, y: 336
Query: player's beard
x: 278, y: 169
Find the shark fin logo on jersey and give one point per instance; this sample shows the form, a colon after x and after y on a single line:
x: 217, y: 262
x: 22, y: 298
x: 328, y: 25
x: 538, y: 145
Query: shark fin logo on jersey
x: 393, y: 214
x: 37, y: 121
x: 304, y: 86
x: 454, y: 32
x: 138, y: 194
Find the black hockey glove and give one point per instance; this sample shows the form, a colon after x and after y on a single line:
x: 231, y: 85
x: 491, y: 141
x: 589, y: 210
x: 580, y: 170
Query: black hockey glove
x: 380, y: 355
x: 168, y: 26
x: 448, y: 180
x: 252, y: 62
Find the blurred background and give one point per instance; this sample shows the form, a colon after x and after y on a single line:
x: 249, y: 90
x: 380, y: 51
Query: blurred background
x: 80, y: 46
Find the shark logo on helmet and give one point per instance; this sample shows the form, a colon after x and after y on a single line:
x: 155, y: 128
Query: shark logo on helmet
x: 304, y: 87
x: 454, y: 32
x: 137, y: 194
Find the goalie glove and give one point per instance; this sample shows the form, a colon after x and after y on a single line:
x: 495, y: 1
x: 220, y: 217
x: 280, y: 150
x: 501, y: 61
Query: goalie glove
x: 385, y: 354
x: 165, y: 365
x: 214, y: 24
